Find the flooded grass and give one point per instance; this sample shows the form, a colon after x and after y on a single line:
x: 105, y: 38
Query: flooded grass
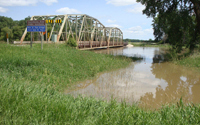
x: 131, y: 58
x: 193, y: 61
x: 32, y: 80
x: 185, y: 58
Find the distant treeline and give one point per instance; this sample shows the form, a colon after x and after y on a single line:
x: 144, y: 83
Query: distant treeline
x: 13, y: 28
x: 137, y: 40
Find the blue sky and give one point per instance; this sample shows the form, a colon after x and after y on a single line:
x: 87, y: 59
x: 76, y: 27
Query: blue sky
x: 124, y: 14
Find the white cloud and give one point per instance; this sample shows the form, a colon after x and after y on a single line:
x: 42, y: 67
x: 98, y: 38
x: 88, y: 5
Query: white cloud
x: 49, y: 2
x: 138, y: 33
x: 3, y: 10
x: 111, y: 21
x: 135, y: 29
x: 25, y: 2
x: 114, y: 25
x: 67, y: 10
x: 137, y: 9
x: 121, y: 2
x: 149, y: 30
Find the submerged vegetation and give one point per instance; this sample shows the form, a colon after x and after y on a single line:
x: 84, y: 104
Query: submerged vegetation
x: 185, y: 58
x: 193, y: 61
x: 32, y: 83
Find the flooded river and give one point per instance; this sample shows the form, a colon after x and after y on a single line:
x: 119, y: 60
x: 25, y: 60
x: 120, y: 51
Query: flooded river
x: 150, y: 82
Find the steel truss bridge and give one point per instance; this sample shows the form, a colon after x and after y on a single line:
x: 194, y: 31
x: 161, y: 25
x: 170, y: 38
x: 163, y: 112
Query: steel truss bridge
x: 89, y: 32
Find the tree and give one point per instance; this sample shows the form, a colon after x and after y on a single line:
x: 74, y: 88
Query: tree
x: 5, y: 31
x: 175, y: 28
x: 17, y: 32
x: 177, y: 19
x: 5, y: 22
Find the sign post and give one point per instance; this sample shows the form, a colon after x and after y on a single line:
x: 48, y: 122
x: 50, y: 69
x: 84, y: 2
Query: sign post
x: 31, y: 38
x: 7, y: 38
x: 42, y: 38
x: 46, y: 33
x: 36, y: 26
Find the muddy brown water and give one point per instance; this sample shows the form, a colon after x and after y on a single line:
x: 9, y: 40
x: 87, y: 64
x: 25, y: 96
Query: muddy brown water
x: 150, y: 82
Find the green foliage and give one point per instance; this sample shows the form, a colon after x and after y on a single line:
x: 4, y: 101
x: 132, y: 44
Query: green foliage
x: 14, y: 29
x: 6, y: 22
x: 4, y: 31
x: 160, y: 42
x: 178, y: 20
x: 17, y: 32
x: 193, y: 60
x: 71, y: 42
x: 175, y: 28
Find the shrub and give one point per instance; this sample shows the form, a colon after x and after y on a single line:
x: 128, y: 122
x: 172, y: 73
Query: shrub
x: 71, y: 42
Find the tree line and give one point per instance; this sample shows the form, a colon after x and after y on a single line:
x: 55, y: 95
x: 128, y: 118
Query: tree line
x: 137, y: 40
x: 13, y: 28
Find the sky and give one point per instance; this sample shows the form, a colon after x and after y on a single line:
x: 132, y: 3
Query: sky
x: 124, y: 14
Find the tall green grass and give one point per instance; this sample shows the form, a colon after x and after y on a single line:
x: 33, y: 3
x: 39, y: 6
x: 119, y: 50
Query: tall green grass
x: 56, y: 64
x: 32, y: 81
x: 185, y: 58
x: 193, y: 61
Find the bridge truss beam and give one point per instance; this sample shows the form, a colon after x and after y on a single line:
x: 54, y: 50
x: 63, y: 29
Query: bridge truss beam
x: 86, y: 30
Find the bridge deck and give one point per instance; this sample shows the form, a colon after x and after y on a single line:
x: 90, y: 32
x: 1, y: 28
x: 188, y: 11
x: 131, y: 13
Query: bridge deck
x: 83, y: 45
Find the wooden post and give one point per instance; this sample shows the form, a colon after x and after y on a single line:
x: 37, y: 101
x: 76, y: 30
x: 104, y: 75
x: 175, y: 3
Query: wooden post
x: 7, y: 38
x: 31, y: 39
x: 46, y: 32
x: 42, y: 41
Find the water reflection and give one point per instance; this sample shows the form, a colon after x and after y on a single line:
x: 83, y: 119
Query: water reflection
x: 181, y: 82
x: 111, y: 51
x: 149, y: 82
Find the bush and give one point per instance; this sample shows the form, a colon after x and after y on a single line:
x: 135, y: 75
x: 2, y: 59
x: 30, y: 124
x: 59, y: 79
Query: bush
x: 71, y: 42
x: 160, y: 42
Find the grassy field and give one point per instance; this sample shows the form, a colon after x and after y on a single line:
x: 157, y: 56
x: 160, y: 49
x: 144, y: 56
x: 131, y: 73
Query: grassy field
x: 32, y: 83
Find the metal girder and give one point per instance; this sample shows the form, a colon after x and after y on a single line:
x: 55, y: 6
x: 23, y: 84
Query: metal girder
x: 92, y: 34
x: 61, y: 28
x: 87, y: 31
x: 51, y: 31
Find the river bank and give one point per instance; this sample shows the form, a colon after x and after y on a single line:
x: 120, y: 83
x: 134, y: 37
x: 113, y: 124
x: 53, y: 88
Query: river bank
x: 32, y: 82
x: 192, y: 60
